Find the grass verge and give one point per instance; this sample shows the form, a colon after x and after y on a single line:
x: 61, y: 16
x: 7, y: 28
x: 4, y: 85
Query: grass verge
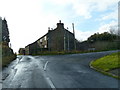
x: 64, y: 52
x: 107, y: 63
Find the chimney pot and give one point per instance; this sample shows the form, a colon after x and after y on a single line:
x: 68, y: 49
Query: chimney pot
x: 59, y: 21
x: 60, y: 25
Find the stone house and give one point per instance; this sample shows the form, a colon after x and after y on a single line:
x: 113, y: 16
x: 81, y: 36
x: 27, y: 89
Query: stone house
x: 22, y: 51
x: 59, y: 39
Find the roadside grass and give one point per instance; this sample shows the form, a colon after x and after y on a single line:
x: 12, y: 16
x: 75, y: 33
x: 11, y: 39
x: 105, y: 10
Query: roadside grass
x: 57, y: 52
x: 61, y: 52
x: 107, y: 63
x: 65, y: 52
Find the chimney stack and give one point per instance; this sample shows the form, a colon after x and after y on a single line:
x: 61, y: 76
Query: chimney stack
x: 48, y: 28
x: 60, y: 25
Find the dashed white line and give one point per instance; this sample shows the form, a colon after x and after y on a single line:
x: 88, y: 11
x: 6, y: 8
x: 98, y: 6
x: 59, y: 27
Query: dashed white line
x: 45, y: 66
x: 47, y: 78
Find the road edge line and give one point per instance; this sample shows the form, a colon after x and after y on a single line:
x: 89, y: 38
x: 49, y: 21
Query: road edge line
x: 51, y: 83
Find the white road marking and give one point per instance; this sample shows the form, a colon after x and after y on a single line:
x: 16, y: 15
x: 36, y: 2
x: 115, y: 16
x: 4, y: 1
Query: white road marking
x: 0, y: 86
x: 45, y: 66
x: 47, y: 78
x: 50, y: 83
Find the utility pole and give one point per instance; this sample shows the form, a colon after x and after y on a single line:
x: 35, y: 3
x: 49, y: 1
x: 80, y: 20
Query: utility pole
x: 74, y: 36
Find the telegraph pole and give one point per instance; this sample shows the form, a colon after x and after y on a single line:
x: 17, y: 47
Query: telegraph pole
x: 74, y: 36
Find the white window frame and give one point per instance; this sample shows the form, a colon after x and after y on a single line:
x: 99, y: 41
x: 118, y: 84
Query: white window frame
x: 45, y: 46
x: 45, y: 38
x: 40, y: 40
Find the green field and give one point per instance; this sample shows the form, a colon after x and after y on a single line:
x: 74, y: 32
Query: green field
x: 108, y: 63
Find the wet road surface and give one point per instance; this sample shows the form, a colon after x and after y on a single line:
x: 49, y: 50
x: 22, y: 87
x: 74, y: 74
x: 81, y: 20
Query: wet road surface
x: 59, y: 71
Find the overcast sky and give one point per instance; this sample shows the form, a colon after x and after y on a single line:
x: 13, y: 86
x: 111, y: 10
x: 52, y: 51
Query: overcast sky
x: 28, y: 20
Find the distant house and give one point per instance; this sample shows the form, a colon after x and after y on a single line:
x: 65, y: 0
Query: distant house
x: 22, y: 51
x: 58, y: 39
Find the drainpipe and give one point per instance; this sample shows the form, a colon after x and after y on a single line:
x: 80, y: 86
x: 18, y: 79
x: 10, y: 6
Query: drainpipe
x: 68, y: 42
x: 64, y: 40
x: 74, y: 36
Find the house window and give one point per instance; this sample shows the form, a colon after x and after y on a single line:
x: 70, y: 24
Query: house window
x: 45, y: 46
x: 40, y: 40
x: 45, y: 38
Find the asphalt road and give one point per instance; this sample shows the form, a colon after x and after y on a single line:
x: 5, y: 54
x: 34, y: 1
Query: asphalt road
x: 59, y: 71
